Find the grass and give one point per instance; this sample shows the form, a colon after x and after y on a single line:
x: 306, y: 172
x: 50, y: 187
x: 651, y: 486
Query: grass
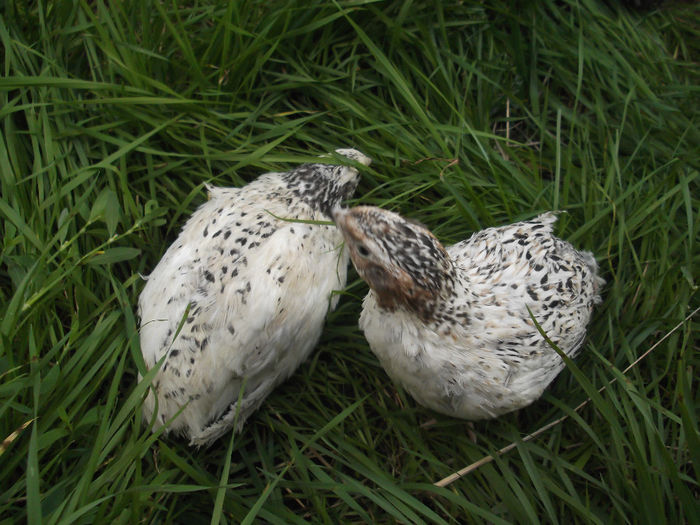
x: 115, y: 114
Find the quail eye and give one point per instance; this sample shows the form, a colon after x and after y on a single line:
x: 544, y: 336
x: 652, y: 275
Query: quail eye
x: 362, y: 250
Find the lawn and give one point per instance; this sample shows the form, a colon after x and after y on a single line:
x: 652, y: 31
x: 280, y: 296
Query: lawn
x: 113, y: 117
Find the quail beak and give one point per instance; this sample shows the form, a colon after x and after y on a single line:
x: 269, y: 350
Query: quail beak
x: 354, y: 155
x: 338, y: 214
x: 345, y: 223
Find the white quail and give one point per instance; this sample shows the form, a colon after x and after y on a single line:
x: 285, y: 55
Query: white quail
x: 452, y: 326
x: 258, y: 290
